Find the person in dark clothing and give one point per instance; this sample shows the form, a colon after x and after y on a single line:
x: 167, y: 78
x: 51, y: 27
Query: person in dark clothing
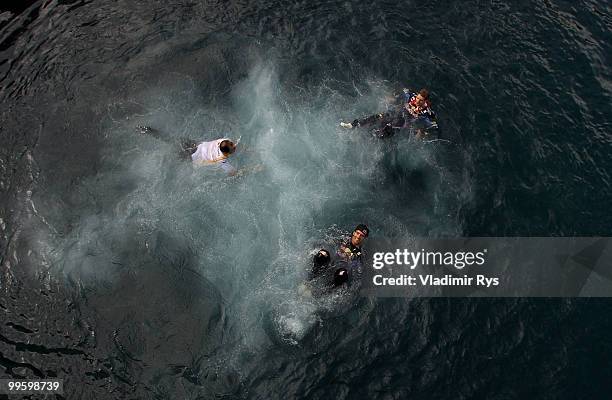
x: 405, y: 109
x: 327, y: 274
x: 350, y: 250
x: 419, y: 110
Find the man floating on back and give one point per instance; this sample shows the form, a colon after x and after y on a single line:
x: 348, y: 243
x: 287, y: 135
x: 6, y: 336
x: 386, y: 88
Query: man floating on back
x: 406, y: 109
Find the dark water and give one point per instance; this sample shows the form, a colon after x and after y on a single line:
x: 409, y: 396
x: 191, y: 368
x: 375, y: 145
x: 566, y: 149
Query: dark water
x: 130, y: 275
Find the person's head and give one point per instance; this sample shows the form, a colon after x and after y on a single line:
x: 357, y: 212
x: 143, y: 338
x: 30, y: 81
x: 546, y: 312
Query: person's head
x: 322, y: 258
x: 227, y: 147
x: 422, y: 97
x: 340, y: 276
x: 360, y: 233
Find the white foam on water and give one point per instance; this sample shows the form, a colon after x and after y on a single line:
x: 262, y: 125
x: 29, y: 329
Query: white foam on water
x: 253, y: 235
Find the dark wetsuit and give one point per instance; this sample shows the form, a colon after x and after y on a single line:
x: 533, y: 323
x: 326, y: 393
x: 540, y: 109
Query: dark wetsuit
x: 348, y: 257
x: 349, y: 252
x: 325, y: 276
x: 397, y: 117
x: 386, y: 123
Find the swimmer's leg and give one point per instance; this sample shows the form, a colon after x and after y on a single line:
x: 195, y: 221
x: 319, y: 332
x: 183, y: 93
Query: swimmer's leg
x: 384, y: 132
x: 147, y: 130
x: 363, y: 121
x: 187, y: 148
x: 368, y: 120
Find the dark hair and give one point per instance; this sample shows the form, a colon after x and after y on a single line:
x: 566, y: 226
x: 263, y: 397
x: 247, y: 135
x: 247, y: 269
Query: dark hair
x: 424, y: 93
x: 227, y: 147
x: 340, y: 276
x: 363, y: 228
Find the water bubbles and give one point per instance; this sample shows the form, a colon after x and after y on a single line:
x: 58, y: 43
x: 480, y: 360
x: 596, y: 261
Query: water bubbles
x: 294, y: 319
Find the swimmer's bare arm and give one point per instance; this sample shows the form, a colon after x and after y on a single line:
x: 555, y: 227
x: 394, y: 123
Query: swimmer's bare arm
x: 228, y: 168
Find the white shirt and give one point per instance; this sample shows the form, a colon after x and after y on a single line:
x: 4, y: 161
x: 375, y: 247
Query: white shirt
x: 210, y: 153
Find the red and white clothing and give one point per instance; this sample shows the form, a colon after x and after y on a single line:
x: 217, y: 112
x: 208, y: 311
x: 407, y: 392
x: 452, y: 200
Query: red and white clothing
x: 416, y: 110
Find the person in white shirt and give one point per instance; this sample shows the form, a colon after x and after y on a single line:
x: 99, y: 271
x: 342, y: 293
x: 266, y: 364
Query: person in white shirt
x: 214, y: 153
